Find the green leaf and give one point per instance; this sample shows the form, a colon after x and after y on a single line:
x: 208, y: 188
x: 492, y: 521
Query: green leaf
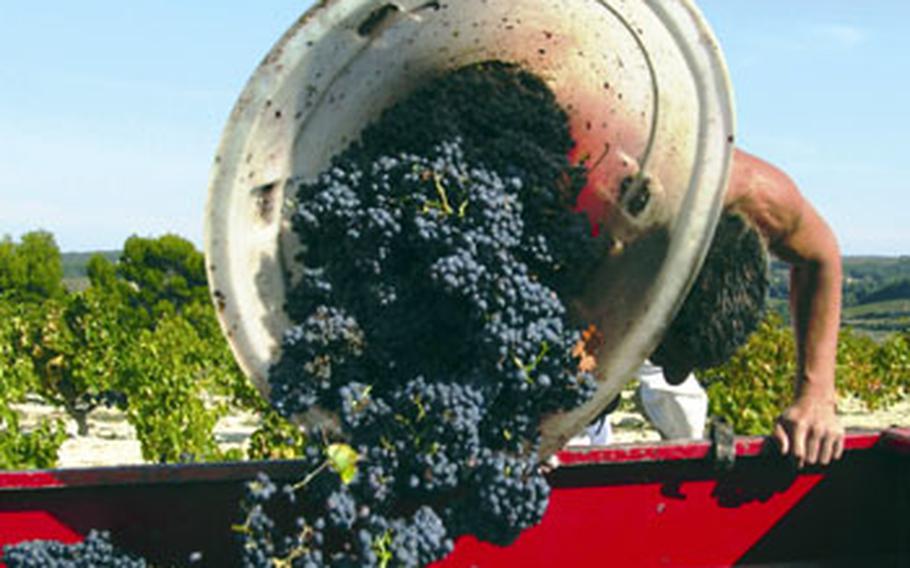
x: 343, y: 459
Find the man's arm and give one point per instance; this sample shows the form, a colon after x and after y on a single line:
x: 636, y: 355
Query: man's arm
x: 797, y: 234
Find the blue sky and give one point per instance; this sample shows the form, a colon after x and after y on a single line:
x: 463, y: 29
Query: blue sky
x: 110, y: 112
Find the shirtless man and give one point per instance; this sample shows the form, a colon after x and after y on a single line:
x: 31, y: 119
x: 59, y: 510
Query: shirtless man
x: 763, y: 211
x: 809, y: 429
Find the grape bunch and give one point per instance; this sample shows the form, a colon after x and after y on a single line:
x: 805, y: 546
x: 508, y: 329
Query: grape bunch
x: 437, y: 254
x: 96, y: 551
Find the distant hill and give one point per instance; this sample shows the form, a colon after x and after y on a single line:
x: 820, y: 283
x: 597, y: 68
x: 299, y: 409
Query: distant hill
x: 878, y: 319
x: 74, y: 263
x: 876, y: 292
x: 866, y: 279
x: 896, y: 290
x: 882, y: 266
x: 880, y: 285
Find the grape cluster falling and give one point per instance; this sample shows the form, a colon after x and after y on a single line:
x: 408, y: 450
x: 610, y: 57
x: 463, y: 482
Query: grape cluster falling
x: 430, y: 317
x: 96, y: 550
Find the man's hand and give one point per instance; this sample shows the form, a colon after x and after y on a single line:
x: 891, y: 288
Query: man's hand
x: 811, y: 431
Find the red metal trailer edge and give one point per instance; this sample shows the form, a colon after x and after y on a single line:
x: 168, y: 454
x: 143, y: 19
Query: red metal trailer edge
x: 661, y: 504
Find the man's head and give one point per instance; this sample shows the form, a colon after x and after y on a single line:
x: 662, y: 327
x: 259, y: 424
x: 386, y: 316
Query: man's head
x: 725, y: 305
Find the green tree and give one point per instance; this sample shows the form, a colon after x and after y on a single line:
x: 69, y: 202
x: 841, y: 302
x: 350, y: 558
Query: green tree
x: 167, y: 377
x: 226, y: 378
x: 101, y: 272
x: 75, y: 347
x: 32, y: 269
x: 164, y: 274
x: 19, y: 449
x: 144, y: 334
x: 17, y: 373
x: 12, y: 270
x: 162, y: 277
x: 44, y: 269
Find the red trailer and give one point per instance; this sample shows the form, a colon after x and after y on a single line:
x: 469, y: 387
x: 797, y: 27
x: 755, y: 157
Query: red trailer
x: 663, y: 504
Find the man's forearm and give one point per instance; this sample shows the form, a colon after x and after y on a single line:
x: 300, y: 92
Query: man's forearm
x: 815, y: 308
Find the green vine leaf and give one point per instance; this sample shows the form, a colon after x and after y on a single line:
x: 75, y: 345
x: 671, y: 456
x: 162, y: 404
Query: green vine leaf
x: 343, y: 459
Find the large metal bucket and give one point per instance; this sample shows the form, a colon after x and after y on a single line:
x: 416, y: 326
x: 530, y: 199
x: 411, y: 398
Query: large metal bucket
x: 646, y: 90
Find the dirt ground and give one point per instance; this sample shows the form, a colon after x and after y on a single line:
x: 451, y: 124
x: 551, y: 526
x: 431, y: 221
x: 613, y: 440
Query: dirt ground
x: 112, y: 440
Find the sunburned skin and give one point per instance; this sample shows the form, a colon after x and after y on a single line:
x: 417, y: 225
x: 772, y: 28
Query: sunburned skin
x: 809, y: 429
x: 772, y: 205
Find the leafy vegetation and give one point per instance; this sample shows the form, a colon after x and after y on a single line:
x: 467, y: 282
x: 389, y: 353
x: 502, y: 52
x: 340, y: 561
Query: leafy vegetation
x: 31, y: 270
x: 75, y: 264
x: 752, y: 388
x: 36, y: 448
x: 877, y: 373
x: 73, y: 344
x: 21, y: 291
x: 276, y: 439
x: 165, y: 378
x: 19, y: 448
x: 142, y: 335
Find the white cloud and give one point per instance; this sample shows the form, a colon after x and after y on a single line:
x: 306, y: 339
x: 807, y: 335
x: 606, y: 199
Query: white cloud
x: 805, y: 40
x: 839, y: 35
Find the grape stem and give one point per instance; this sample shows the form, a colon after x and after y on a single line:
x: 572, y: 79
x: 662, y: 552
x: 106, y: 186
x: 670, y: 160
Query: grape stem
x: 310, y: 476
